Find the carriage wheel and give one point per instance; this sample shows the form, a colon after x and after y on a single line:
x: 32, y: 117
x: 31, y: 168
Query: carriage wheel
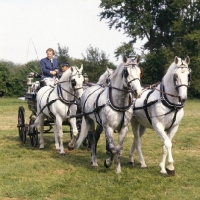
x: 33, y: 134
x: 22, y: 129
x: 34, y: 140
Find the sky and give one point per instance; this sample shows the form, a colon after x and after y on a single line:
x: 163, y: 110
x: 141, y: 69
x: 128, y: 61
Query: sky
x: 45, y: 23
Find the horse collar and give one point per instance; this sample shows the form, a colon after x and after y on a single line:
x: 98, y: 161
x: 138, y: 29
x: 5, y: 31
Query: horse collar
x: 117, y: 108
x: 165, y: 101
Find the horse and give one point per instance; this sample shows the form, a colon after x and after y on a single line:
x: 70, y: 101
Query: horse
x: 57, y: 103
x: 111, y: 108
x: 104, y: 78
x: 161, y: 109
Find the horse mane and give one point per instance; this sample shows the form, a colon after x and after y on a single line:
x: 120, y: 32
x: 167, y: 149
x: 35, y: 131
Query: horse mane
x: 117, y: 71
x: 102, y: 78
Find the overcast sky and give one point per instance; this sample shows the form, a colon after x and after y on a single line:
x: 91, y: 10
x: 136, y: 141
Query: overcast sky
x: 72, y: 23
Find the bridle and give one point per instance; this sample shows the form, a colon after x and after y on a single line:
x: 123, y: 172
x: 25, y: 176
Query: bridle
x: 175, y: 78
x: 125, y: 74
x: 73, y: 84
x: 73, y: 81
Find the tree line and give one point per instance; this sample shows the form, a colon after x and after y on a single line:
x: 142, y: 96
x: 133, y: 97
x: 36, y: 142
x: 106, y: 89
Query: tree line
x: 170, y: 27
x: 12, y: 75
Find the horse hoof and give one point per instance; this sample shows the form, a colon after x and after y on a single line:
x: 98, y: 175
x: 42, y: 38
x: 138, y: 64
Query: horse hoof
x: 62, y: 154
x: 108, y: 152
x: 105, y: 164
x: 70, y: 148
x: 170, y: 172
x: 143, y: 166
x: 41, y: 148
x: 131, y: 163
x: 95, y: 165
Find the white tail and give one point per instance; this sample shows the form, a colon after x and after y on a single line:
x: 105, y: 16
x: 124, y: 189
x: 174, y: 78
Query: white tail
x: 83, y: 133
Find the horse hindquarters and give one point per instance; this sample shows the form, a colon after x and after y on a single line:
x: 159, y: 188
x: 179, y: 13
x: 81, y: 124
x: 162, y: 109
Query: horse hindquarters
x: 138, y: 131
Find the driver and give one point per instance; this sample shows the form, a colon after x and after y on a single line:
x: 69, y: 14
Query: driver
x: 49, y: 66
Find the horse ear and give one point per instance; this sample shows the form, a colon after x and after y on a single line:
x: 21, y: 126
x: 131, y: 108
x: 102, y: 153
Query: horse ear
x: 138, y: 59
x: 176, y: 59
x: 107, y: 69
x: 81, y: 67
x: 187, y: 60
x: 71, y: 69
x: 142, y: 72
x: 124, y: 59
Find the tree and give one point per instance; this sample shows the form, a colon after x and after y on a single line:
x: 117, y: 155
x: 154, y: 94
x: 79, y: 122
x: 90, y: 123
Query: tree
x: 125, y: 49
x: 171, y: 27
x: 95, y: 63
x: 161, y: 22
x: 62, y: 54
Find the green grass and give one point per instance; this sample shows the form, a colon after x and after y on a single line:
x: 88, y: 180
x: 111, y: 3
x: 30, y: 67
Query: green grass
x: 28, y: 173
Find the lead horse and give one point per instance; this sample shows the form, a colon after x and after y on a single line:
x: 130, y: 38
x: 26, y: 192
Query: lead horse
x: 161, y: 109
x: 58, y: 102
x: 111, y: 108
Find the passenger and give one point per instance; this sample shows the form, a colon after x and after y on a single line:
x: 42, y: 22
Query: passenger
x: 64, y: 67
x: 49, y: 66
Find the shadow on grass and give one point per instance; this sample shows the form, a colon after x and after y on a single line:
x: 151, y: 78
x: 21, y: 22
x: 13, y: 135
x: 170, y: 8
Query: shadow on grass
x: 79, y: 158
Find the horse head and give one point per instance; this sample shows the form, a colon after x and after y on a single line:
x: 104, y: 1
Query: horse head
x: 182, y: 77
x: 132, y: 74
x: 77, y: 79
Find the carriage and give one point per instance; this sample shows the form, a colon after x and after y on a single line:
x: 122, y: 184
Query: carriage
x: 33, y: 84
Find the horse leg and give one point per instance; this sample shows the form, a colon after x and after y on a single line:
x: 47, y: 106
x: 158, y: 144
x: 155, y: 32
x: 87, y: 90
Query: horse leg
x: 170, y: 167
x: 109, y: 133
x: 41, y: 124
x: 56, y: 136
x: 91, y: 131
x: 72, y: 121
x: 60, y: 133
x: 138, y: 131
x: 158, y: 127
x: 97, y: 134
x: 121, y: 138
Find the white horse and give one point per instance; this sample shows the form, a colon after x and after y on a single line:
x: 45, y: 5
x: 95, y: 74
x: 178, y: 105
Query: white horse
x: 104, y: 78
x: 58, y: 102
x: 162, y: 110
x: 111, y: 108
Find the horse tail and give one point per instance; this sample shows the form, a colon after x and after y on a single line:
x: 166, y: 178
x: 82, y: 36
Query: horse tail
x: 83, y: 133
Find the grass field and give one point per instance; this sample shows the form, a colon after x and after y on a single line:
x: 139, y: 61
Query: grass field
x: 28, y: 173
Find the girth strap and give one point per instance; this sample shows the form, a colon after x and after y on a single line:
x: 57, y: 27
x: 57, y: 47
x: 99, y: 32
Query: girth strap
x: 96, y: 105
x: 48, y: 106
x: 146, y: 108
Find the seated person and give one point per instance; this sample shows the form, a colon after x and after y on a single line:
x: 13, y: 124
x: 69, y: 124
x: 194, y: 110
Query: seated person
x: 49, y: 66
x: 64, y: 67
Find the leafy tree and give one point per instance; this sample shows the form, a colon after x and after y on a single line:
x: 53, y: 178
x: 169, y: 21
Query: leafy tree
x: 161, y: 22
x: 4, y: 76
x: 125, y: 49
x: 62, y: 54
x: 95, y: 63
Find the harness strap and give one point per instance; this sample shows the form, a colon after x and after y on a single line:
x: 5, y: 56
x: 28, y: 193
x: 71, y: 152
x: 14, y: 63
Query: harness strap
x: 117, y: 108
x: 167, y: 103
x: 146, y: 108
x: 48, y: 106
x: 60, y: 95
x: 96, y: 106
x: 88, y: 97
